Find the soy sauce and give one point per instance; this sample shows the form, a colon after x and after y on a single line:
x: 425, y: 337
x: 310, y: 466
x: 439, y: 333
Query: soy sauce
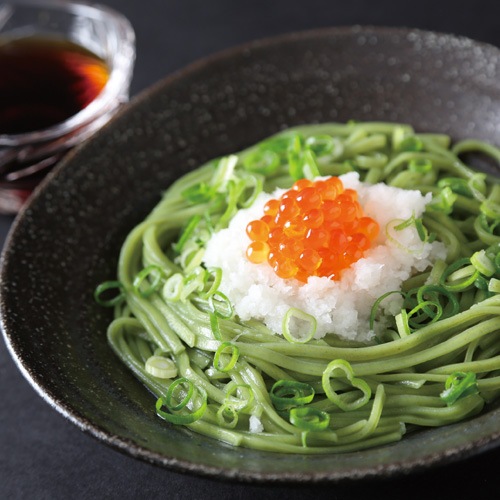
x: 45, y: 81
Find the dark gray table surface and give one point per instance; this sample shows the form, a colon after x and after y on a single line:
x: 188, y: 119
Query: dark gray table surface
x: 43, y: 456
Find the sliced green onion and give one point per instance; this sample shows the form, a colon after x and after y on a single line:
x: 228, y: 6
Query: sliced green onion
x: 337, y: 150
x: 491, y: 209
x: 233, y: 192
x: 410, y: 143
x: 481, y: 283
x: 286, y: 394
x: 262, y: 161
x: 435, y: 291
x: 161, y: 367
x: 497, y: 261
x: 483, y: 263
x: 192, y: 259
x: 437, y: 272
x: 245, y: 395
x: 398, y: 134
x: 220, y: 305
x: 181, y: 387
x: 444, y: 201
x: 227, y: 416
x: 493, y: 252
x: 296, y: 143
x: 451, y: 269
x: 340, y: 365
x: 153, y: 271
x: 457, y: 185
x: 186, y: 234
x: 116, y: 299
x: 224, y: 173
x: 477, y: 185
x: 429, y: 308
x: 483, y: 223
x: 405, y: 224
x: 397, y: 225
x: 293, y: 320
x: 198, y: 193
x: 459, y: 385
x: 422, y: 232
x: 494, y: 285
x: 464, y: 283
x: 420, y: 165
x: 252, y: 184
x: 321, y: 145
x: 494, y: 195
x: 310, y: 168
x: 295, y: 160
x: 281, y: 143
x: 416, y: 320
x: 402, y: 323
x: 309, y: 419
x: 461, y: 275
x: 185, y: 417
x: 194, y: 282
x: 160, y: 351
x: 214, y: 326
x: 221, y: 362
x: 172, y: 289
x: 377, y: 303
x: 216, y: 274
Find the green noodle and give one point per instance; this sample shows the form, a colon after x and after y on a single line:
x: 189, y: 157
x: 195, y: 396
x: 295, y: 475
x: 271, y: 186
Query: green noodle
x: 328, y: 395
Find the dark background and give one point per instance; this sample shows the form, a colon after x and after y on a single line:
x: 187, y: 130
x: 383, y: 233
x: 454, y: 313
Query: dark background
x: 43, y: 456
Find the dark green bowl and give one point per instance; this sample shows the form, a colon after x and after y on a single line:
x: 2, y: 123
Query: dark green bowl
x: 67, y: 240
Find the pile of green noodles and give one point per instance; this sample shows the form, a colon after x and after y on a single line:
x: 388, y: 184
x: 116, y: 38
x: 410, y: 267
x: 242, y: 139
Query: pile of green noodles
x: 436, y: 363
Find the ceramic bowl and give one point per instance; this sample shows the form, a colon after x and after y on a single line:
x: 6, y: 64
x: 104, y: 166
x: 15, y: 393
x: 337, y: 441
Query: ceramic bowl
x: 67, y: 239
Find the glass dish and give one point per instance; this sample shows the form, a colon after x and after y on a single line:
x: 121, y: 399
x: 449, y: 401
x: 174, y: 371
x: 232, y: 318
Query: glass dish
x: 25, y: 158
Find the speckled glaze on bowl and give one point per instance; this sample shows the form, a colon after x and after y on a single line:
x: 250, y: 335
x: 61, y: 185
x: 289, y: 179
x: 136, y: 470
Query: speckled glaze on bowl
x: 67, y: 240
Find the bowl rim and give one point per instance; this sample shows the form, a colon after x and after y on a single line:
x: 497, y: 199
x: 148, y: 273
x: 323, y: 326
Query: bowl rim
x: 184, y: 466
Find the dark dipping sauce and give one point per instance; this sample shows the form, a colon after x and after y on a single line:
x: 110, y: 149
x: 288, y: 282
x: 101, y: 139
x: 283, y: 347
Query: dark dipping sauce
x: 45, y: 81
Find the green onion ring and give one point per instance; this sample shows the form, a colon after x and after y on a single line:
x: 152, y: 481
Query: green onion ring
x: 309, y: 419
x: 170, y: 394
x: 286, y: 394
x: 235, y: 353
x: 152, y: 270
x: 109, y: 285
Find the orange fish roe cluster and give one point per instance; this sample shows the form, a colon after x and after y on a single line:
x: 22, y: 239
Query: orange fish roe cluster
x: 315, y: 229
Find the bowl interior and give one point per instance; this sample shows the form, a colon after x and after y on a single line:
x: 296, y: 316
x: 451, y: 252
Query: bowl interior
x: 67, y: 240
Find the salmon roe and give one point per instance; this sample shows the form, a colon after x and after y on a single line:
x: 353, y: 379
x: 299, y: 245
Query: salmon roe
x: 316, y: 228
